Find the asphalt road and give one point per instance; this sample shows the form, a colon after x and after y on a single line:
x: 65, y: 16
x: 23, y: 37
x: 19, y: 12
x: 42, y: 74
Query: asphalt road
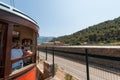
x: 79, y: 70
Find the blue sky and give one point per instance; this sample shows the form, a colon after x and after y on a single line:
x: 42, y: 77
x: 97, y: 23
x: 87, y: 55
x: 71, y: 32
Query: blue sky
x: 64, y: 17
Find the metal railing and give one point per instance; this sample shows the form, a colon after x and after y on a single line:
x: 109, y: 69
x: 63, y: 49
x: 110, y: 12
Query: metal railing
x: 99, y: 62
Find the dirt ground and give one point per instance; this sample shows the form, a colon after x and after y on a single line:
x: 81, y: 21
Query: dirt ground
x: 62, y: 75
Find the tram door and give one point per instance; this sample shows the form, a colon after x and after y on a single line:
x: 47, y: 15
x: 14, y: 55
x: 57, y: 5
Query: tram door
x: 2, y: 47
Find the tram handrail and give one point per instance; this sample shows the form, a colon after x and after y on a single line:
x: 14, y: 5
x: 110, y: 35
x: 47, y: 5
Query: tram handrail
x: 21, y: 71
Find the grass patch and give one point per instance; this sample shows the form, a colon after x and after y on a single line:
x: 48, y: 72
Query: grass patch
x: 68, y: 77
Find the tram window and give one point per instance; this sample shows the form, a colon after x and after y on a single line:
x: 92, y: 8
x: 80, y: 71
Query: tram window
x: 19, y: 52
x: 16, y: 36
x: 16, y: 53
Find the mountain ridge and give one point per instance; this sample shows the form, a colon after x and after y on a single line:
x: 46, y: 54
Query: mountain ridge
x: 42, y: 39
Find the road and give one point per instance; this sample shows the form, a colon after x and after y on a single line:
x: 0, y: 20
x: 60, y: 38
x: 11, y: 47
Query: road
x: 79, y: 70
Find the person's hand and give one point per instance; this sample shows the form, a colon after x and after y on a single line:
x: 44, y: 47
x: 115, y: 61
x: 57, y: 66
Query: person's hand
x: 29, y: 52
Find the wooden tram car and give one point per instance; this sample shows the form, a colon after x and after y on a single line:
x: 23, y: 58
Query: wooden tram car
x: 15, y: 25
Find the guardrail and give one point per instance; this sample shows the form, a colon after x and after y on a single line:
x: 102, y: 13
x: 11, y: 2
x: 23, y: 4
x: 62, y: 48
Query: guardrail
x: 87, y: 60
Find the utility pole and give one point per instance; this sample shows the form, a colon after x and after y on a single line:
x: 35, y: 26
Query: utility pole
x: 12, y: 3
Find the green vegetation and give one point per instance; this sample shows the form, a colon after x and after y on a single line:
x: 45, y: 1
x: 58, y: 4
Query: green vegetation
x: 107, y: 32
x: 68, y: 77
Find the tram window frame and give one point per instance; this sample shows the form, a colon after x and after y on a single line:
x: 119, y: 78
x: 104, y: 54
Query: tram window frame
x: 0, y: 46
x: 0, y: 38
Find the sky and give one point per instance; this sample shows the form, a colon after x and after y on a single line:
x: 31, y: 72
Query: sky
x: 64, y: 17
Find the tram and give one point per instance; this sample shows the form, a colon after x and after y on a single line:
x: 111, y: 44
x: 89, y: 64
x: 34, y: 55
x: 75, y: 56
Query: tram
x: 16, y: 26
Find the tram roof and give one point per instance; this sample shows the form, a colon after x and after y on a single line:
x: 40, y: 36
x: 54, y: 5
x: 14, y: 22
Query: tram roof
x: 15, y: 11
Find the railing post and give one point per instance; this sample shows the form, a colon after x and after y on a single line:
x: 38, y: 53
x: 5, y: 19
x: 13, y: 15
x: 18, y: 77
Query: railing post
x: 46, y: 53
x: 53, y: 63
x: 87, y: 64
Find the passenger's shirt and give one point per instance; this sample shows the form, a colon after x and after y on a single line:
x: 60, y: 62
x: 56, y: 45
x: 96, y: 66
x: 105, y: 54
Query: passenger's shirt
x: 16, y: 53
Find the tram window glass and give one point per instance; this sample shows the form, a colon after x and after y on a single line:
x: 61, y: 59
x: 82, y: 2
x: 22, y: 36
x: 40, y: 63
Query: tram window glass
x: 16, y: 36
x: 24, y: 50
x: 16, y: 52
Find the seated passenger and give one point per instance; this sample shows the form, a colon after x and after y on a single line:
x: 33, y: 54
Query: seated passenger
x: 27, y: 51
x: 26, y: 47
x: 16, y: 52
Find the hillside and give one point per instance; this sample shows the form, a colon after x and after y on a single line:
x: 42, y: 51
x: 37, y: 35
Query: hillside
x: 102, y: 33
